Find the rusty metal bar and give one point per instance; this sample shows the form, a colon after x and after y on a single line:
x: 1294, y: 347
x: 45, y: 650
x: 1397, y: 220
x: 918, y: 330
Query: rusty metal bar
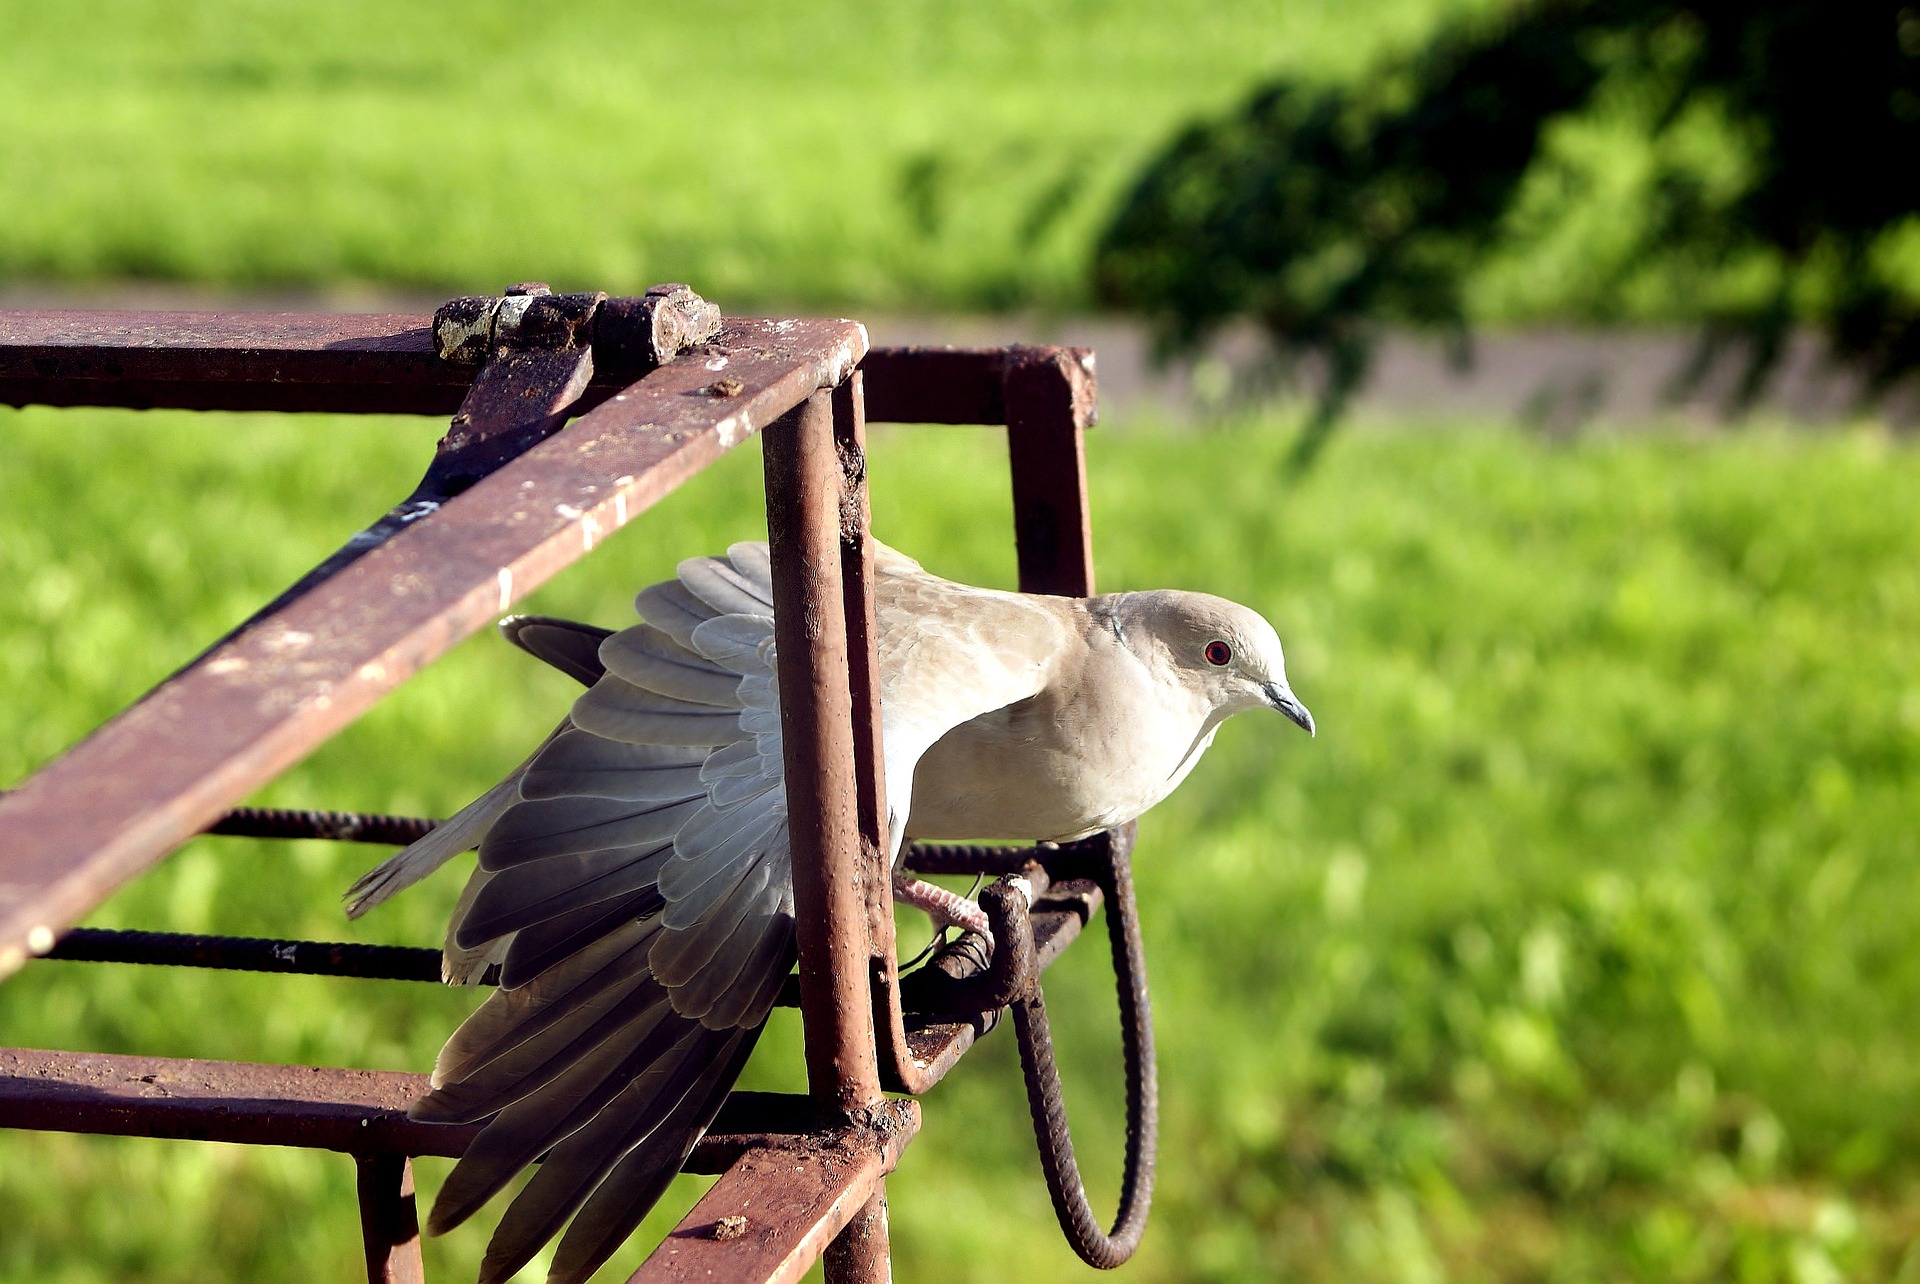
x: 227, y: 361
x: 312, y: 1107
x: 159, y: 772
x: 422, y: 964
x: 1049, y: 404
x: 252, y: 954
x: 1056, y: 918
x: 355, y: 1111
x: 863, y: 678
x: 333, y: 826
x: 330, y: 826
x: 835, y: 865
x: 774, y: 1211
x: 1105, y: 1249
x: 816, y: 724
x: 389, y: 1222
x: 389, y: 363
x: 899, y: 1067
x: 385, y: 364
x: 857, y: 1255
x: 953, y: 385
x: 381, y: 364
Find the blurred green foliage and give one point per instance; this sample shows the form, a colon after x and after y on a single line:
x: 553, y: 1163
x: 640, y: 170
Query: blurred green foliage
x: 1763, y: 185
x: 1579, y: 945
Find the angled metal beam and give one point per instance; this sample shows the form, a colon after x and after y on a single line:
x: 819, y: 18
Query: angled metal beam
x: 389, y: 1220
x: 779, y: 1206
x: 161, y: 771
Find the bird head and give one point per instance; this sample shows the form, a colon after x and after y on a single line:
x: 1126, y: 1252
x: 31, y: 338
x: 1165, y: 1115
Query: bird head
x: 1224, y: 651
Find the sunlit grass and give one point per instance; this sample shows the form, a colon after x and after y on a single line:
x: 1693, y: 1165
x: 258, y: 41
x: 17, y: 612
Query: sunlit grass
x: 1577, y: 945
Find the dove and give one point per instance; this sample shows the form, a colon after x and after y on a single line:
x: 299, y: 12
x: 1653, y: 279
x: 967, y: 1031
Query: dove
x: 634, y: 877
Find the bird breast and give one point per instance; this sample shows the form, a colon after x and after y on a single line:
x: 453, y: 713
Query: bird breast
x: 1070, y: 761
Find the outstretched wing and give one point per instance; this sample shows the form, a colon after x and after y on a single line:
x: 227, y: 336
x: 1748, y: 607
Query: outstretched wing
x: 635, y: 883
x: 637, y: 893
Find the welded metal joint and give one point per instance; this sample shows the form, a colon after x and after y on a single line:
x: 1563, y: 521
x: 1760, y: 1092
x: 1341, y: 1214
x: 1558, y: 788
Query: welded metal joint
x: 628, y: 336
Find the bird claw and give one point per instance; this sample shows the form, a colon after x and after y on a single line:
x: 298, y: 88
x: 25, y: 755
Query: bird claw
x: 945, y: 908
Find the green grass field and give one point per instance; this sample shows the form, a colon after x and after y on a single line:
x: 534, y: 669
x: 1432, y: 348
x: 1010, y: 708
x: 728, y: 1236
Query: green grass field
x: 1578, y: 946
x: 908, y: 155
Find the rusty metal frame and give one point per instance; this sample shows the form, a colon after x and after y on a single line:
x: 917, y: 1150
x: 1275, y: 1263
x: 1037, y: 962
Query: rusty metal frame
x: 573, y: 438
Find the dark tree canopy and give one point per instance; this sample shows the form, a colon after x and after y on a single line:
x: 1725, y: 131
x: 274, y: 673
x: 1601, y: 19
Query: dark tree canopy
x: 1322, y: 212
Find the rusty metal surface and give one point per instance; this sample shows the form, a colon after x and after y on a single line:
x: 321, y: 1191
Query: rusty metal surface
x: 637, y: 333
x: 227, y: 361
x: 1076, y: 900
x: 1045, y: 1102
x: 313, y: 1107
x: 389, y: 1221
x: 385, y: 364
x: 333, y: 826
x: 774, y: 1211
x: 517, y: 400
x: 817, y: 523
x: 357, y: 1111
x: 243, y: 712
x: 954, y: 1000
x: 253, y: 954
x: 803, y: 482
x: 960, y: 385
x: 1049, y: 404
x: 858, y: 1254
x: 898, y: 1069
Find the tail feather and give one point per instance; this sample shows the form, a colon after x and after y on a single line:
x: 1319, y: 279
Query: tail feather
x: 539, y: 946
x: 527, y: 895
x: 626, y: 1194
x: 578, y: 1163
x: 461, y: 833
x: 509, y: 1017
x: 569, y: 646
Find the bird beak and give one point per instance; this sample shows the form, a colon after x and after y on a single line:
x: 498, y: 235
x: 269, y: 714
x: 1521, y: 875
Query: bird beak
x: 1289, y: 704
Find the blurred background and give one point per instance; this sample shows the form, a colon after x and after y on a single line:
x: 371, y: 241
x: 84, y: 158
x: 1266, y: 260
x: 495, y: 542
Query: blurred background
x: 1542, y: 369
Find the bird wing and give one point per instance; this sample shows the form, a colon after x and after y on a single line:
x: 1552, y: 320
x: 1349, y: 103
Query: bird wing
x: 635, y: 883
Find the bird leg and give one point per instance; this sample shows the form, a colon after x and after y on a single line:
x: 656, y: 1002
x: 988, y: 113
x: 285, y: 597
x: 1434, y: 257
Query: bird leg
x: 945, y: 908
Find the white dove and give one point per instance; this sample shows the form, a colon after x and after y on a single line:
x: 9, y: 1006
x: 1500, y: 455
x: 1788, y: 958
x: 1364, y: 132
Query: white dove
x: 634, y: 877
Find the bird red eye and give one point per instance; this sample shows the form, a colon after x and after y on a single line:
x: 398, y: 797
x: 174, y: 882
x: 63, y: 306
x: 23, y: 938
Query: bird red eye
x: 1218, y: 653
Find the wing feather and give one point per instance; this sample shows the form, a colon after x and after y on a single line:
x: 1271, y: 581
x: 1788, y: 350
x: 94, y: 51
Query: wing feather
x: 526, y: 895
x: 576, y: 1165
x: 636, y: 879
x: 648, y: 657
x: 625, y: 1195
x: 549, y: 827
